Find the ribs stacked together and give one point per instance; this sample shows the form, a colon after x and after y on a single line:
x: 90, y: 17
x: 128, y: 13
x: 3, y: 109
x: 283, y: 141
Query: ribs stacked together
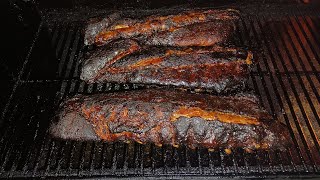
x: 188, y: 50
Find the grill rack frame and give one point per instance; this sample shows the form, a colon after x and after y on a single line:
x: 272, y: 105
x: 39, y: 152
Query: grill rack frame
x: 274, y: 75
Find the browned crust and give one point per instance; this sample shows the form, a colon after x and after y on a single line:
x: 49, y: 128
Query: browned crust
x: 216, y: 68
x: 154, y: 24
x: 175, y: 118
x: 198, y: 34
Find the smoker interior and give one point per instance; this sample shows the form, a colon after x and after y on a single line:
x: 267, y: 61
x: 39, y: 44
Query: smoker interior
x: 286, y: 43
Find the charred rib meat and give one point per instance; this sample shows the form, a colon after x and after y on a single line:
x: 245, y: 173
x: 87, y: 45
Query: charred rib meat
x: 216, y: 68
x: 101, y: 58
x: 96, y: 25
x: 198, y: 34
x: 152, y: 24
x: 170, y: 117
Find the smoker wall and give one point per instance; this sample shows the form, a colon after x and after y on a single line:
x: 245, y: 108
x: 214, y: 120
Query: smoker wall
x: 20, y: 22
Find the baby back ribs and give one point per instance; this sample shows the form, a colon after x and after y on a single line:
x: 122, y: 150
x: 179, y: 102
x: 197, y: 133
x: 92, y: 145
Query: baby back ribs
x: 216, y: 68
x: 102, y: 57
x: 153, y: 24
x: 170, y: 117
x: 96, y: 25
x: 198, y: 34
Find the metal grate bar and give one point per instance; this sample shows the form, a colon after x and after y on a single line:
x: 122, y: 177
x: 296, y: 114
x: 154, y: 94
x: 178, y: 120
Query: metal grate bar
x: 65, y: 50
x: 297, y: 48
x: 286, y: 98
x: 268, y: 102
x: 304, y: 38
x: 275, y: 87
x: 306, y: 94
x: 55, y: 31
x: 263, y: 82
x: 286, y: 80
x: 289, y: 101
x: 26, y: 133
x: 73, y: 55
x: 77, y: 64
x: 10, y: 148
x: 313, y: 26
x: 4, y: 141
x: 243, y: 38
x: 59, y: 44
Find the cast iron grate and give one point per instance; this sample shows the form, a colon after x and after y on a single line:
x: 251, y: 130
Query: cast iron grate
x: 286, y: 79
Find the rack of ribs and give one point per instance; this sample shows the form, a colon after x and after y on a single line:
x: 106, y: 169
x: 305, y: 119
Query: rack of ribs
x: 119, y: 28
x: 198, y: 34
x: 219, y: 69
x: 96, y: 61
x: 95, y: 25
x: 170, y: 117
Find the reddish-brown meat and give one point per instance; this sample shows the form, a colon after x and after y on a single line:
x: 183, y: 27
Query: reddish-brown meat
x: 96, y: 25
x: 170, y: 117
x: 198, y: 34
x: 152, y: 24
x: 216, y: 68
x: 95, y: 62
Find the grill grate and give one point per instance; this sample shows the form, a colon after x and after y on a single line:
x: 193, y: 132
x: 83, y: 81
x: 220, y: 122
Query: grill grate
x: 286, y: 79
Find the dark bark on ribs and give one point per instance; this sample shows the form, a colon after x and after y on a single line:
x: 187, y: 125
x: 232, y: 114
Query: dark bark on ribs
x: 199, y: 34
x: 122, y: 23
x: 152, y: 24
x: 96, y: 61
x: 216, y: 68
x: 96, y: 25
x: 170, y: 117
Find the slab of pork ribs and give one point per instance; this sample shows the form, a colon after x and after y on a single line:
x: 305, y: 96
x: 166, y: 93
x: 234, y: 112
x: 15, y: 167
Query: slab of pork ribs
x: 186, y: 49
x: 170, y: 117
x: 216, y: 68
x: 216, y: 25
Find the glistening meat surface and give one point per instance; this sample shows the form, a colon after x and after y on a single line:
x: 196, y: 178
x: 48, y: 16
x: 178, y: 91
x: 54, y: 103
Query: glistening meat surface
x: 95, y: 25
x: 198, y: 34
x: 170, y: 117
x: 157, y: 23
x: 95, y: 62
x: 217, y: 68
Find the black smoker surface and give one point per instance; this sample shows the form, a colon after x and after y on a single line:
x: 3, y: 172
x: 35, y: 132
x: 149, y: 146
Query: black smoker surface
x: 286, y: 79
